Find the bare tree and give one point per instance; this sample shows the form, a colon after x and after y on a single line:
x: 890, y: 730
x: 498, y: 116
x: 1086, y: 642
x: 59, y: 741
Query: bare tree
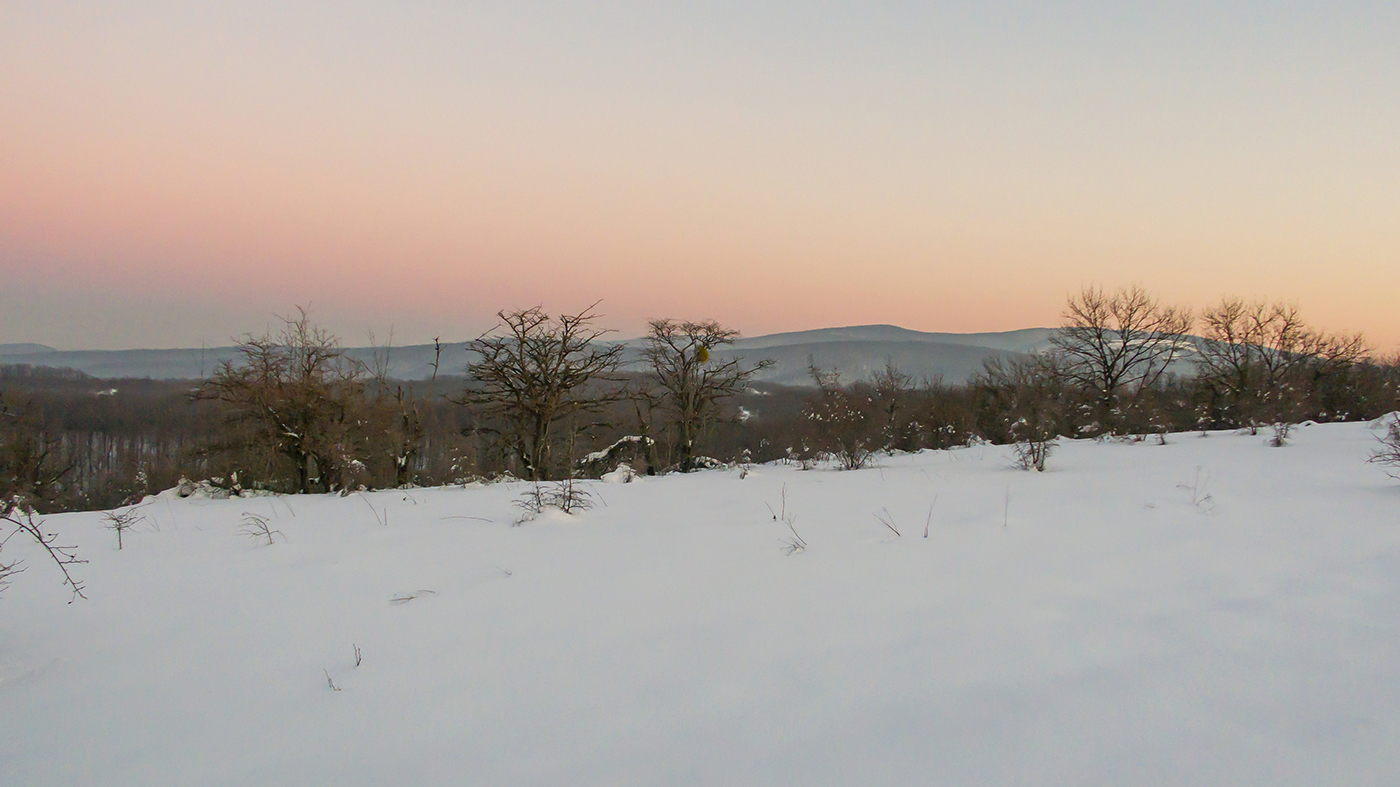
x: 1258, y: 358
x: 680, y: 354
x: 121, y: 521
x: 295, y: 395
x: 535, y: 373
x: 1116, y: 345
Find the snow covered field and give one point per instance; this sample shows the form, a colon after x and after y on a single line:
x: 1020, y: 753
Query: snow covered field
x: 1209, y: 612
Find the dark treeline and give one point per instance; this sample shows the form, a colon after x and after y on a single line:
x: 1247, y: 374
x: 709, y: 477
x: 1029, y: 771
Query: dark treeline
x: 546, y: 400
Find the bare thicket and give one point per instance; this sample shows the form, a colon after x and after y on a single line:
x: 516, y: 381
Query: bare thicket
x: 1260, y: 360
x: 1031, y: 397
x: 842, y: 418
x: 1032, y: 453
x: 292, y: 414
x: 535, y: 374
x: 680, y: 356
x: 295, y: 395
x: 567, y: 495
x: 31, y: 463
x: 401, y: 410
x: 17, y: 517
x: 1115, y: 346
x: 893, y: 391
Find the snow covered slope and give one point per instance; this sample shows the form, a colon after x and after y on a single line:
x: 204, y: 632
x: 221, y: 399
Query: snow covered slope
x: 1212, y: 611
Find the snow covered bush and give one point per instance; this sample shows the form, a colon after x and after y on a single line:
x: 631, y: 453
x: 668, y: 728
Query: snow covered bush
x: 843, y: 420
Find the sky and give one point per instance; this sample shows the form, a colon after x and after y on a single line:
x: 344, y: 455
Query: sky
x: 178, y: 173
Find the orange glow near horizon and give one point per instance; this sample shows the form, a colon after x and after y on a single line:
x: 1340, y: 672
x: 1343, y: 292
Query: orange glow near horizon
x: 168, y: 178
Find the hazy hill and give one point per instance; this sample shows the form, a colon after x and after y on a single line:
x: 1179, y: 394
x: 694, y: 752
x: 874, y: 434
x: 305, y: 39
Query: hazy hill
x: 13, y: 350
x: 856, y: 351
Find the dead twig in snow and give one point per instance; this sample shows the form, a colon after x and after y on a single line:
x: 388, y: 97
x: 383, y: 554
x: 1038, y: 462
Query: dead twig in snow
x: 887, y: 520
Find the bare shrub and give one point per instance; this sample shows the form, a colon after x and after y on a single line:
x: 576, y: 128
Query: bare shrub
x: 122, y: 521
x: 1031, y: 453
x: 1021, y: 398
x: 843, y: 419
x: 1199, y: 489
x: 793, y: 543
x: 19, y: 518
x: 294, y: 395
x: 1027, y: 396
x: 257, y: 528
x: 566, y: 495
x: 1389, y: 452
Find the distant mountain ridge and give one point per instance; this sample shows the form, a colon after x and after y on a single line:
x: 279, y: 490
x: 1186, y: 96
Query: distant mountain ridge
x: 7, y: 350
x: 855, y: 351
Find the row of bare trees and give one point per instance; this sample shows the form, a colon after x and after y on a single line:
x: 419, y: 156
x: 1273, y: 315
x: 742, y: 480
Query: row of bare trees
x: 547, y: 397
x: 540, y: 382
x: 538, y: 388
x: 1123, y: 363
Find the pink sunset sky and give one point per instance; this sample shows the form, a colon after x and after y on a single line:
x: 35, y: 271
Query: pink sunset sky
x: 176, y: 173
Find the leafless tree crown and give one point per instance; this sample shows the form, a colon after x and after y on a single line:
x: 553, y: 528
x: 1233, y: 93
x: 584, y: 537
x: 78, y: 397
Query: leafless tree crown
x: 1116, y: 345
x: 680, y: 354
x: 1255, y: 356
x: 295, y: 395
x: 534, y: 372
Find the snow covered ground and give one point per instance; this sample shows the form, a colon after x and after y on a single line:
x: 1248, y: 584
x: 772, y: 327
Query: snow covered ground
x: 1212, y: 611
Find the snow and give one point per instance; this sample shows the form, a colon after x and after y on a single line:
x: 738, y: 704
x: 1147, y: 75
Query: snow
x: 622, y: 474
x: 1099, y: 623
x: 599, y: 456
